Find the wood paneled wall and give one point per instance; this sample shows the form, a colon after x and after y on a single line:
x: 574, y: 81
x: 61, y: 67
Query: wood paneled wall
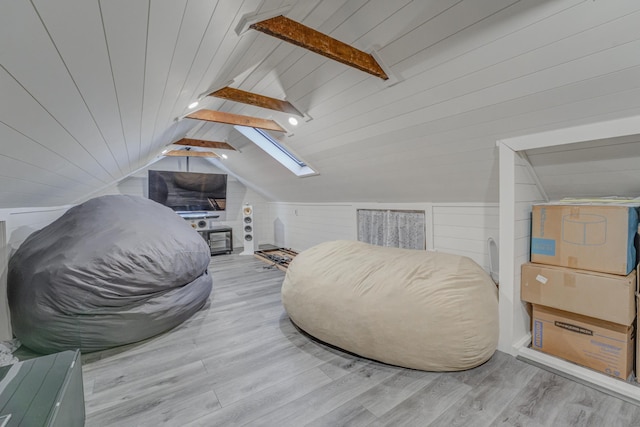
x: 465, y: 230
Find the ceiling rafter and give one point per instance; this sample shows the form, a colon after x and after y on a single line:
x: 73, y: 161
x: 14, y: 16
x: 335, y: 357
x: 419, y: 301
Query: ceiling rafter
x: 262, y: 101
x: 191, y: 153
x: 235, y: 119
x: 298, y: 34
x: 204, y: 144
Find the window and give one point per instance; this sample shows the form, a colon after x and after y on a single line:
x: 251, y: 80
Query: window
x: 276, y: 150
x: 394, y: 228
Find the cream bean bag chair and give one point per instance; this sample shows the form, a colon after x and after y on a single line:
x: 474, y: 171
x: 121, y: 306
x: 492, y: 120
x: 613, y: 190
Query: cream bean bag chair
x: 417, y: 309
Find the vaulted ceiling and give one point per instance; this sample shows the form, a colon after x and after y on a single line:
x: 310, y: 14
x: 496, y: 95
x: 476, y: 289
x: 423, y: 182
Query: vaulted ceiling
x: 93, y: 90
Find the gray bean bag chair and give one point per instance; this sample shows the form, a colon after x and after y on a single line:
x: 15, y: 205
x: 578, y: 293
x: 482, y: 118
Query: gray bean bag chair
x: 111, y: 271
x: 417, y: 309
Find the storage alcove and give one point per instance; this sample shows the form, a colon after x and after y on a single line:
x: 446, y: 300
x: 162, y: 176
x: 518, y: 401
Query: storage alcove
x: 598, y: 159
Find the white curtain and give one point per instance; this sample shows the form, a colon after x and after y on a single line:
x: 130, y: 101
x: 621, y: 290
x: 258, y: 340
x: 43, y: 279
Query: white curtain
x: 399, y: 229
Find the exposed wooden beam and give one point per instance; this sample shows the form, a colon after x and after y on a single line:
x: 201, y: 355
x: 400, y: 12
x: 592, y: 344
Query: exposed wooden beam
x: 204, y: 144
x: 235, y: 119
x: 238, y: 95
x: 300, y: 35
x: 190, y: 153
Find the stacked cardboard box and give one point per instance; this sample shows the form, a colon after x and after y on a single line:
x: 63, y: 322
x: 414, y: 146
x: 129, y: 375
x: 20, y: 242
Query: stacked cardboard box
x: 582, y: 284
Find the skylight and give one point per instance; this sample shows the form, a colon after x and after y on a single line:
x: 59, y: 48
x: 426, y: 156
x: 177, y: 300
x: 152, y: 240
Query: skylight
x: 276, y: 150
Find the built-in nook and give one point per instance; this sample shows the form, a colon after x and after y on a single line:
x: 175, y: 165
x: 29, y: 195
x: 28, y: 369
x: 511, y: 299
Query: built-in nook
x: 598, y: 153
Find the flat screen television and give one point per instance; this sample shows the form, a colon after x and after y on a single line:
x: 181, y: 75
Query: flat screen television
x: 189, y: 191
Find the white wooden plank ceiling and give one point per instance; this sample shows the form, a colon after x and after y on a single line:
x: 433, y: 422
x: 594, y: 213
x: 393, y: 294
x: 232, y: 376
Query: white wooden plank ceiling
x: 90, y: 92
x: 604, y: 167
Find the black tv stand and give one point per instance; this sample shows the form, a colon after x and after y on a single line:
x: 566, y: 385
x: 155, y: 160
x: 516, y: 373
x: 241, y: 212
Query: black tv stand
x: 219, y: 239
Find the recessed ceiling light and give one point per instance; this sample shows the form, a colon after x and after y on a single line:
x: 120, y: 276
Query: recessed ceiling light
x: 224, y: 156
x: 293, y: 121
x: 165, y: 151
x: 193, y: 105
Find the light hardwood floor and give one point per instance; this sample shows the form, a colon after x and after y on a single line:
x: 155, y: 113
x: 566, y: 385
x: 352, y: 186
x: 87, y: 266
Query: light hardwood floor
x: 240, y: 361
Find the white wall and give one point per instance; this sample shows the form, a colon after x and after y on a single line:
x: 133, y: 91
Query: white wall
x: 237, y: 195
x: 454, y: 228
x: 518, y: 192
x: 5, y: 321
x: 299, y: 226
x: 465, y: 229
x: 20, y: 223
x: 527, y: 193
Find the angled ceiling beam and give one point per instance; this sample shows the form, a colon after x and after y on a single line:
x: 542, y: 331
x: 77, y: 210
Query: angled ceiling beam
x: 189, y: 153
x: 235, y: 119
x: 205, y: 144
x: 261, y: 101
x: 300, y: 35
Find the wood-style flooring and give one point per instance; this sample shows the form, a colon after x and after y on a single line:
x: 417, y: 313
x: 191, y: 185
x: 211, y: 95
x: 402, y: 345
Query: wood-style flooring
x: 240, y: 361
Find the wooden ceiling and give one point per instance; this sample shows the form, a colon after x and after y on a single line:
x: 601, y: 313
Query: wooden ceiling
x: 94, y: 90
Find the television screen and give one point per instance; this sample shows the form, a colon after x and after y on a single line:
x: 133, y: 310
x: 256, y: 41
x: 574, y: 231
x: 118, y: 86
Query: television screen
x: 189, y: 191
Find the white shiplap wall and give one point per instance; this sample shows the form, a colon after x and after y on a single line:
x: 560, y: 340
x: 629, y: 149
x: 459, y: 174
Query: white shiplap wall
x: 301, y: 225
x: 603, y: 167
x: 237, y: 195
x: 20, y: 223
x: 454, y: 228
x: 518, y: 192
x: 5, y: 319
x: 527, y: 193
x: 459, y: 94
x: 465, y: 230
